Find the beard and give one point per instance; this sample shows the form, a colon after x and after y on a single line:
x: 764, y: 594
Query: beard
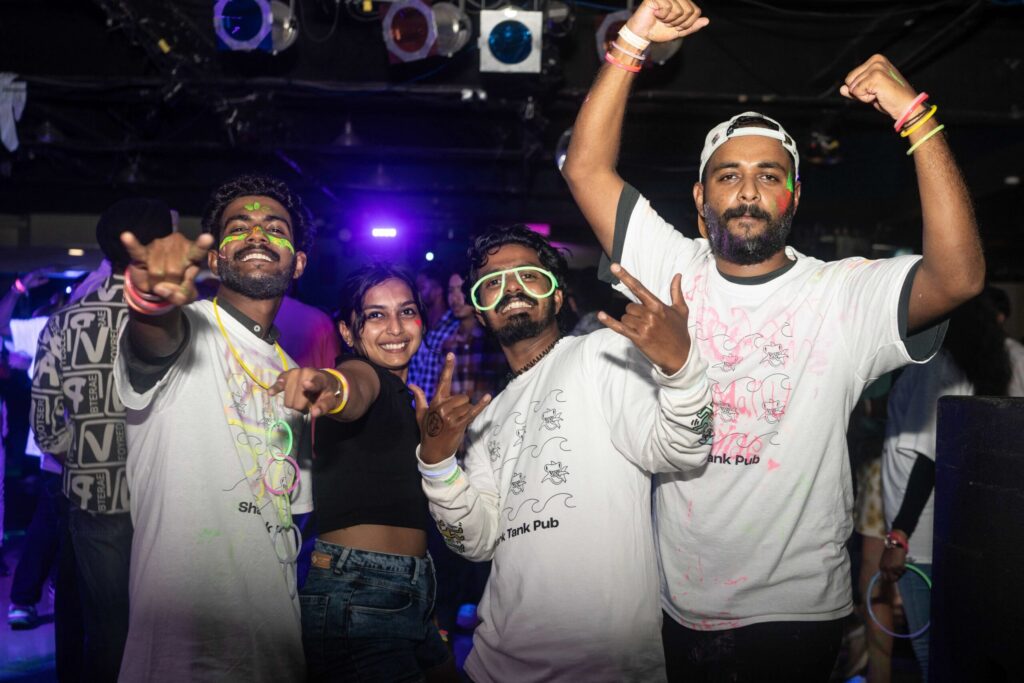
x: 747, y: 250
x: 520, y: 326
x: 258, y: 286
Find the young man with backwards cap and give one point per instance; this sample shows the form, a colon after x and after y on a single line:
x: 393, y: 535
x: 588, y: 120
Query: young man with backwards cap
x: 755, y: 577
x: 77, y: 417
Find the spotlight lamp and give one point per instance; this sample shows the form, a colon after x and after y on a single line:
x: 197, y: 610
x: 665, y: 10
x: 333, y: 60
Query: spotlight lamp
x: 510, y: 40
x: 243, y: 25
x: 285, y: 29
x: 658, y: 53
x: 414, y: 30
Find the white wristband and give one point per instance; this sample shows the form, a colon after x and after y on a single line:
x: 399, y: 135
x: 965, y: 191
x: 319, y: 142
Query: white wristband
x: 633, y: 39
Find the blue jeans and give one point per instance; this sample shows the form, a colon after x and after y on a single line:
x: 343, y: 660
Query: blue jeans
x: 917, y: 606
x: 103, y: 549
x: 366, y: 616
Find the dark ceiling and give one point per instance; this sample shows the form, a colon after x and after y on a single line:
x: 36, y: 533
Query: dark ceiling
x: 109, y: 114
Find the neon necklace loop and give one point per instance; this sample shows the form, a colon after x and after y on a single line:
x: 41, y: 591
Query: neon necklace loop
x: 871, y: 586
x: 238, y: 358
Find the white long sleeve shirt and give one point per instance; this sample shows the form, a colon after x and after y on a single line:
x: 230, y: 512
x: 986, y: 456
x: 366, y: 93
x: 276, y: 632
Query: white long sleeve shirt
x: 557, y: 491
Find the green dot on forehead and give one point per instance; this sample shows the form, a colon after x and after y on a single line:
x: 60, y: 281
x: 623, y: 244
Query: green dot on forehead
x: 255, y: 206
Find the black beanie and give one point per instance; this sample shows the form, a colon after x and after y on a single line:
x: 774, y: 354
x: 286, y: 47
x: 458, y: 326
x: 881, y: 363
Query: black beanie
x: 145, y: 218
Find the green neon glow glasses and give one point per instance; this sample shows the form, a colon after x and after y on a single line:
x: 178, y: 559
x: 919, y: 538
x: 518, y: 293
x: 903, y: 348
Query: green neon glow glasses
x: 536, y: 282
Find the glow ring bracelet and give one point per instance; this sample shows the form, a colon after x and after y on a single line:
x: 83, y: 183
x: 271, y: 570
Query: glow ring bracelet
x: 342, y: 390
x: 625, y: 67
x: 633, y: 39
x: 925, y: 139
x: 642, y: 57
x: 871, y: 586
x: 920, y: 99
x: 429, y: 474
x: 282, y: 492
x: 142, y: 303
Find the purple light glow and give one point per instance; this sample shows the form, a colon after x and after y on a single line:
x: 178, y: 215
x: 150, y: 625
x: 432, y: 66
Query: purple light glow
x: 384, y: 232
x: 540, y: 228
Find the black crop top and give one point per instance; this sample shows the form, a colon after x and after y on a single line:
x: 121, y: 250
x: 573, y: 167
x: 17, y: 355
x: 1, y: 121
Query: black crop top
x: 365, y: 471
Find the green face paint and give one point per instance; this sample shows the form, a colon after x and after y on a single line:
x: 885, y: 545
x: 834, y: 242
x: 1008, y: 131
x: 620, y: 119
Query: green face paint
x: 892, y: 74
x: 255, y: 206
x: 276, y: 241
x: 789, y: 181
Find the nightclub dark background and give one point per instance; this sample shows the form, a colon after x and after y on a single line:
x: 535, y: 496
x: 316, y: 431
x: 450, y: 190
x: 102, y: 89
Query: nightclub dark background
x: 439, y: 150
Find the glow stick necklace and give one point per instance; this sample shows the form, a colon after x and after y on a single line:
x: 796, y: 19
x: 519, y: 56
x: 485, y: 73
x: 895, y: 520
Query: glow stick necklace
x: 234, y: 351
x: 871, y: 585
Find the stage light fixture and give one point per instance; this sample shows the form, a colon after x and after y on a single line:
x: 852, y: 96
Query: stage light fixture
x: 285, y: 29
x: 414, y: 30
x: 658, y: 53
x: 243, y: 25
x: 387, y: 233
x: 510, y: 40
x: 429, y: 256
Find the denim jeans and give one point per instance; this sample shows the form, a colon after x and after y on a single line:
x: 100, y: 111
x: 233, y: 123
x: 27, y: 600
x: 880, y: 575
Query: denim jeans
x: 366, y: 616
x: 917, y: 606
x: 103, y: 548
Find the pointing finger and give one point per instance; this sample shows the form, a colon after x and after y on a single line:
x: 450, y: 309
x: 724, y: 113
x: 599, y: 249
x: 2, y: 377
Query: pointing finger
x: 444, y: 385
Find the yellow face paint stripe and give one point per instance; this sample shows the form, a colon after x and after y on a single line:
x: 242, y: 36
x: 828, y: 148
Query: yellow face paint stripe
x: 277, y: 241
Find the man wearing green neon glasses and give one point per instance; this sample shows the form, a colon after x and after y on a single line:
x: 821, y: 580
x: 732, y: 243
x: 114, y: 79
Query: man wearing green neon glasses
x: 558, y: 470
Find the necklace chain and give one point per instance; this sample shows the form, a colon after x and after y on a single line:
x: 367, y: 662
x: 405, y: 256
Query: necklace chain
x: 536, y: 359
x: 234, y: 351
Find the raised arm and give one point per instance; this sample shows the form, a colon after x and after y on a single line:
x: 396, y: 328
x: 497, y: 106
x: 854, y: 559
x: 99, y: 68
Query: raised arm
x: 160, y: 280
x: 953, y: 268
x: 21, y: 286
x: 593, y: 153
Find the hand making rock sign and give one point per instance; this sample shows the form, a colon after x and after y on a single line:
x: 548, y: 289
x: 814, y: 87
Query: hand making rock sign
x: 443, y: 422
x: 657, y: 330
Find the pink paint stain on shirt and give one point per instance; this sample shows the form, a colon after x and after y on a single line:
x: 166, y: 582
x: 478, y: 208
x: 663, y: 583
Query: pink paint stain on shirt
x: 772, y: 465
x: 733, y: 582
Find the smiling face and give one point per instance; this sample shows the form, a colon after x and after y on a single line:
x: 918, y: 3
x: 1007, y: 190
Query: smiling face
x: 516, y: 315
x: 392, y: 327
x: 748, y: 199
x: 256, y: 256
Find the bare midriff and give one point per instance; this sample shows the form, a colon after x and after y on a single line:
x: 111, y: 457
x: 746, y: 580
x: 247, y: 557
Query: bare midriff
x: 380, y: 538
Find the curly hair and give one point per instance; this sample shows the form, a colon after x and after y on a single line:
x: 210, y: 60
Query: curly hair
x: 359, y: 282
x: 489, y: 243
x: 264, y: 186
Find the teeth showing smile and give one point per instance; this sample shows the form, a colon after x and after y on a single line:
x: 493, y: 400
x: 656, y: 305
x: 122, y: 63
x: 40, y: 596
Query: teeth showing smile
x: 394, y: 346
x: 515, y: 305
x: 256, y: 256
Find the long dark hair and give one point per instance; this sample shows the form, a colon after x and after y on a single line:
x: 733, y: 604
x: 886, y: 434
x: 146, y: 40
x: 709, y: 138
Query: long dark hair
x: 359, y: 282
x: 977, y: 343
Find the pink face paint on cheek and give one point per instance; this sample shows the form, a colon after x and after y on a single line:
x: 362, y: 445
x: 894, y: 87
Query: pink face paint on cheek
x: 782, y: 202
x: 419, y: 323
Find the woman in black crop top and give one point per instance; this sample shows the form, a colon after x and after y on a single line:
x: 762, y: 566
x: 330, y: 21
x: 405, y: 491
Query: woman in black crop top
x: 367, y: 602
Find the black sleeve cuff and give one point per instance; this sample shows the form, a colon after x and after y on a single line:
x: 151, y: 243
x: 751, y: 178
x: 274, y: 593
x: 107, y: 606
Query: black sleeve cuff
x: 919, y: 487
x: 925, y: 342
x: 144, y: 371
x: 627, y: 202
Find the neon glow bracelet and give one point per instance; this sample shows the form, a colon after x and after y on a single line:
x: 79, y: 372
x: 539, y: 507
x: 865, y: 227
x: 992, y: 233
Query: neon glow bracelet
x: 614, y: 62
x: 343, y: 388
x: 19, y: 286
x: 920, y: 99
x: 909, y: 131
x: 925, y: 139
x: 871, y: 586
x: 282, y: 492
x: 143, y: 303
x: 641, y: 57
x: 439, y: 475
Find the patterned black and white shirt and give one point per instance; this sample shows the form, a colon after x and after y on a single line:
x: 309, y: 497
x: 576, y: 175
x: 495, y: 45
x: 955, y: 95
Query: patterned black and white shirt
x: 75, y: 407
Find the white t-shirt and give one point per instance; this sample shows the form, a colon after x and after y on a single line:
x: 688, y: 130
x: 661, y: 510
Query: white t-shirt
x: 758, y: 534
x: 210, y: 597
x: 557, y: 492
x: 1016, y: 351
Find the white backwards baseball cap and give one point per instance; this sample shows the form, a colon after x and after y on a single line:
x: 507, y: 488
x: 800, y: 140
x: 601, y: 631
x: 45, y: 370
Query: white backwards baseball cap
x: 737, y: 126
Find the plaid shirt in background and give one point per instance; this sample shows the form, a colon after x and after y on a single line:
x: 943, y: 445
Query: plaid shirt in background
x: 480, y: 364
x: 425, y: 366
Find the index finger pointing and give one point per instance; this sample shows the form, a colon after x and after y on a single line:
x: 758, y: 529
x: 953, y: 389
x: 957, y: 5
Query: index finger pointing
x: 635, y: 286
